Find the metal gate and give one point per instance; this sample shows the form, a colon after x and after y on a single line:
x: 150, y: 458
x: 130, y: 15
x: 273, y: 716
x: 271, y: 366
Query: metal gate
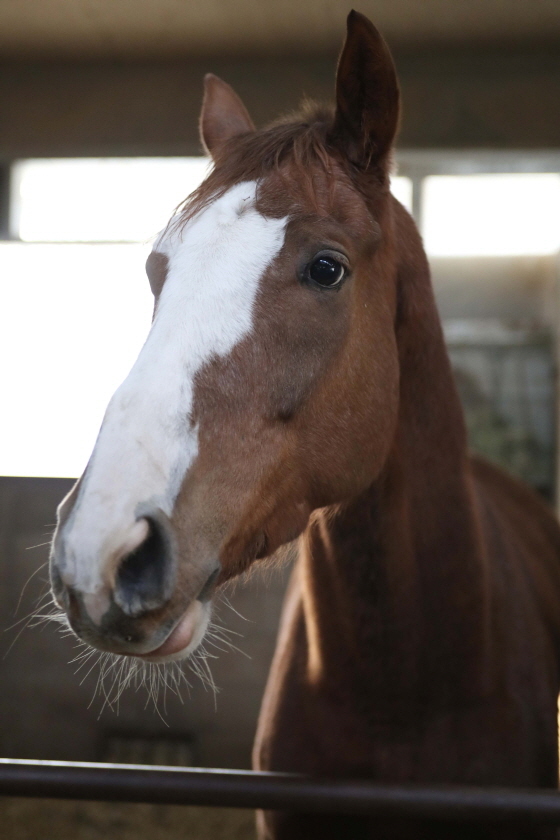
x: 274, y: 791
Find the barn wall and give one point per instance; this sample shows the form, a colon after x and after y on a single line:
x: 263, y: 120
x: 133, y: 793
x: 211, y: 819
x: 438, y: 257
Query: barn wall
x: 464, y: 97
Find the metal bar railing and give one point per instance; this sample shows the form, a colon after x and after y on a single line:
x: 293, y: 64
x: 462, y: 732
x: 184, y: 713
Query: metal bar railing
x: 274, y: 791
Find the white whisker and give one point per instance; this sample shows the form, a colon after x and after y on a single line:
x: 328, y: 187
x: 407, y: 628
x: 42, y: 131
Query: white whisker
x: 29, y: 579
x: 116, y: 673
x: 225, y: 600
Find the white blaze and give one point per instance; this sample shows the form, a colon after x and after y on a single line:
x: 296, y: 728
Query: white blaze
x: 146, y: 443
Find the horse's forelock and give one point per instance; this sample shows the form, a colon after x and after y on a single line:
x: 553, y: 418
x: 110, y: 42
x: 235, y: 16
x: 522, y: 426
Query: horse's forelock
x: 296, y: 149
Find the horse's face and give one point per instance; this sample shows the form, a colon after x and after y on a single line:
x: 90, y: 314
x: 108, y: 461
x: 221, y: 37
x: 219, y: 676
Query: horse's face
x: 252, y: 403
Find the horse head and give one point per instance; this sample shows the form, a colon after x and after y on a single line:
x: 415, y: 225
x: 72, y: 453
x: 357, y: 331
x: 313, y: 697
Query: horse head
x: 268, y: 385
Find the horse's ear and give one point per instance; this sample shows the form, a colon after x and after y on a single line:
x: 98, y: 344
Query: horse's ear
x: 223, y: 114
x: 367, y: 94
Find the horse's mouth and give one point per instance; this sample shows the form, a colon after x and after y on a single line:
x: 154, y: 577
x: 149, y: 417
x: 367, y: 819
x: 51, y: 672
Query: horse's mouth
x: 163, y: 640
x: 185, y: 637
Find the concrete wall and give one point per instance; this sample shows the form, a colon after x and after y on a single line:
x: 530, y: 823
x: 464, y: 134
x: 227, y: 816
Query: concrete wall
x: 486, y: 97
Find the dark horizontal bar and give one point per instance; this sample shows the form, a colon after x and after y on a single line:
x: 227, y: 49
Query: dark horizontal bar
x: 274, y: 791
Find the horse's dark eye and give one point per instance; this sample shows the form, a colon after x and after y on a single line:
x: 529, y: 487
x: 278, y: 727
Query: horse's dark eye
x: 326, y: 271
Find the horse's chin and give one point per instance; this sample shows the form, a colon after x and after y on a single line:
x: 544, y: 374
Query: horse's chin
x: 185, y: 637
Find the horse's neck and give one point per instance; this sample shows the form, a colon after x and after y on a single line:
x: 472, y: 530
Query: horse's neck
x: 394, y: 581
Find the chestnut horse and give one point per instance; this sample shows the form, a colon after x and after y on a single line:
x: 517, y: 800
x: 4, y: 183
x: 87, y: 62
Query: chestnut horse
x: 295, y: 383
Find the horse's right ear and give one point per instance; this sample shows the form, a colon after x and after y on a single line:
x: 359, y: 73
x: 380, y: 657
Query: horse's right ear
x: 367, y: 94
x: 223, y: 114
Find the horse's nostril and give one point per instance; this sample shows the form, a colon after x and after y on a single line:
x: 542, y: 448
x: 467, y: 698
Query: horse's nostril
x: 145, y: 576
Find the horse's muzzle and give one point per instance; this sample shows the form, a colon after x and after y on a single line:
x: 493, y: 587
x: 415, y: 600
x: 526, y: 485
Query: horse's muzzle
x: 158, y: 635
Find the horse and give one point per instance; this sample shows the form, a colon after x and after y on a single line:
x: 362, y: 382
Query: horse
x: 295, y: 385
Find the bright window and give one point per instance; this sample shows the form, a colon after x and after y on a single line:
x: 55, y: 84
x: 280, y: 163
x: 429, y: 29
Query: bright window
x: 72, y: 321
x: 401, y: 187
x: 491, y: 215
x: 100, y: 199
x: 74, y: 316
x: 110, y: 199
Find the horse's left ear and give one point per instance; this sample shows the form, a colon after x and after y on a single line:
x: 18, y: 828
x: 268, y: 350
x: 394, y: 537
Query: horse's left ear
x: 367, y: 94
x: 223, y: 114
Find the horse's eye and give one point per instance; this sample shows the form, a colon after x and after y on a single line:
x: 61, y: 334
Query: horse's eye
x: 326, y: 271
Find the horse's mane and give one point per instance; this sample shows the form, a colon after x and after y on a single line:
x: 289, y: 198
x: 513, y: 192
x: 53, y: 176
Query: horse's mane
x: 301, y: 138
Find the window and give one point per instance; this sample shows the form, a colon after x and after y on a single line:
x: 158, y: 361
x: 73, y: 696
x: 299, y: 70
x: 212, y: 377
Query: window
x: 99, y: 199
x: 76, y: 302
x: 401, y: 187
x: 491, y: 214
x: 74, y: 315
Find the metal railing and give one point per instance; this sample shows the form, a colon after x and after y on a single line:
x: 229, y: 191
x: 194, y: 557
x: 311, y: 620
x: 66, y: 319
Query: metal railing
x: 274, y: 791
